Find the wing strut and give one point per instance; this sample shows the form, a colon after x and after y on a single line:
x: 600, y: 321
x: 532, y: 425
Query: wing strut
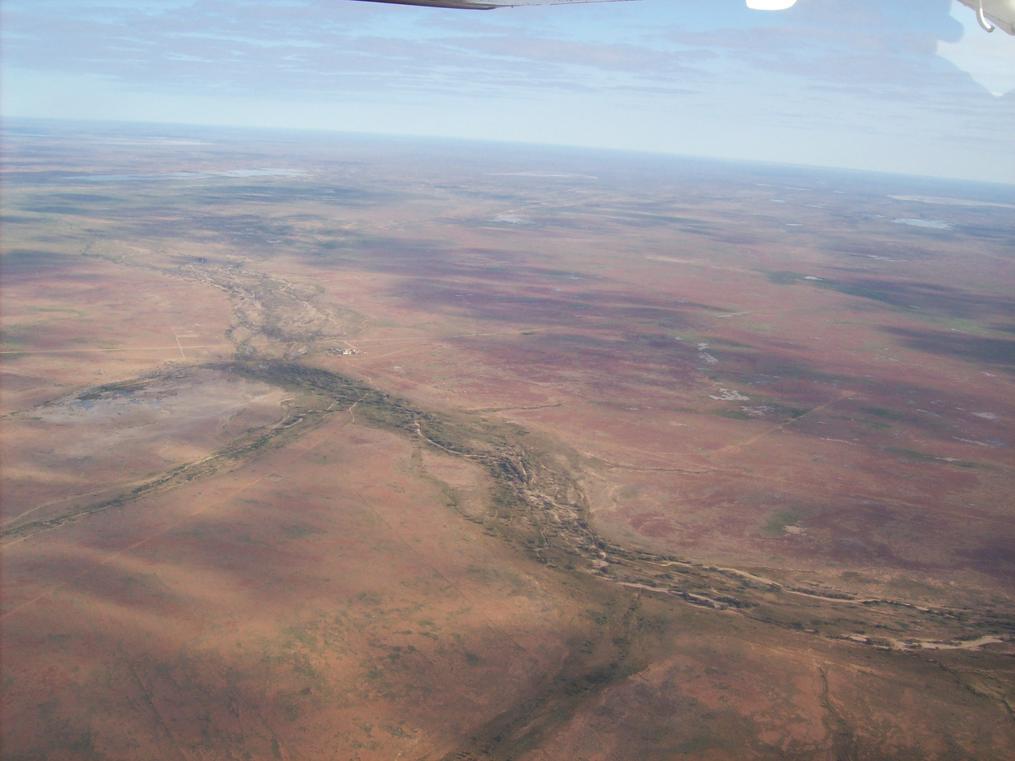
x: 981, y: 17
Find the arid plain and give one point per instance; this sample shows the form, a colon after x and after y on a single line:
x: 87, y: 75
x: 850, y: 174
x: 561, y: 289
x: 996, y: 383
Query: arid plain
x: 329, y: 447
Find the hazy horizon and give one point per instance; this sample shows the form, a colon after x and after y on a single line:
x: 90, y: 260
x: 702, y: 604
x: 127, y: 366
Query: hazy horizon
x: 151, y: 127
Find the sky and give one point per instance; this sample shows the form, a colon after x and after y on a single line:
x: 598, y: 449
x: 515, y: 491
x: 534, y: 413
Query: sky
x: 908, y: 86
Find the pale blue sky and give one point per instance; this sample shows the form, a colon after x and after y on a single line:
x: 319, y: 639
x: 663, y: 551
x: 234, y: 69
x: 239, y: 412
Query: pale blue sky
x: 853, y: 83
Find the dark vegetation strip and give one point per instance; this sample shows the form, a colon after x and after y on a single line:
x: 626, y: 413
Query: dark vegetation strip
x: 295, y: 423
x: 538, y: 506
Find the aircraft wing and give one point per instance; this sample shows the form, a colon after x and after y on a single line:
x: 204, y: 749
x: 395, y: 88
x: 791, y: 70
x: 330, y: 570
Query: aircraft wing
x: 484, y: 5
x: 994, y: 13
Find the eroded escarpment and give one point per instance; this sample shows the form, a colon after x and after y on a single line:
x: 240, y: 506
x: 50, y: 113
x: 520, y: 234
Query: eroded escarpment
x: 537, y: 505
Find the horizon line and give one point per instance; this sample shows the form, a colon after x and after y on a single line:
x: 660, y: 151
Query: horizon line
x: 6, y: 119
